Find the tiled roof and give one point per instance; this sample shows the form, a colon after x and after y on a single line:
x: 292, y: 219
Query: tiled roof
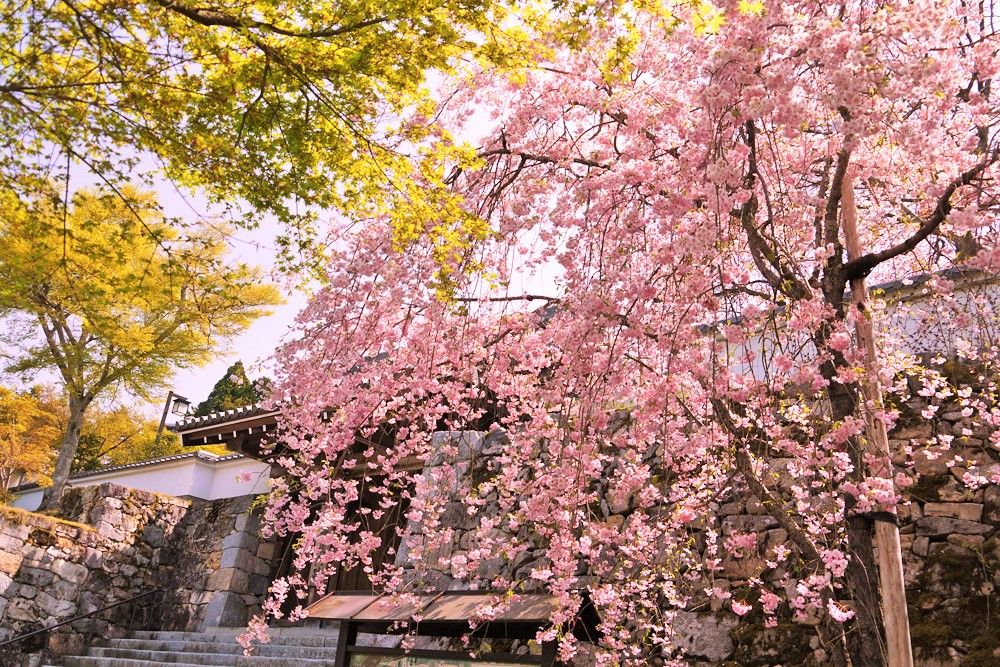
x: 207, y: 456
x: 221, y: 417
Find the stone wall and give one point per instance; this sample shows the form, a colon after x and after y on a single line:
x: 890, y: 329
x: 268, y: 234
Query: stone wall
x: 115, y: 543
x: 223, y: 566
x: 949, y: 535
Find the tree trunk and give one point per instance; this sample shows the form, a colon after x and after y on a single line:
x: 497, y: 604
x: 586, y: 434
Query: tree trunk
x: 67, y: 451
x: 865, y: 635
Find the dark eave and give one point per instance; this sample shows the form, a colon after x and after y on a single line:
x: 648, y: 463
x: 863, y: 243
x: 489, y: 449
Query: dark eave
x: 241, y: 430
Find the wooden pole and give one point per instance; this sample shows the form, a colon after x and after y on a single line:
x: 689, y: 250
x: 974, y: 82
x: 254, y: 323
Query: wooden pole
x: 890, y: 559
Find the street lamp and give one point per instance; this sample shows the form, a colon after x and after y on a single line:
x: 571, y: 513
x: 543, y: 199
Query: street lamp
x: 175, y: 404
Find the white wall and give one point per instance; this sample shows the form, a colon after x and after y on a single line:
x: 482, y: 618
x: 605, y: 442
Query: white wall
x: 201, y: 476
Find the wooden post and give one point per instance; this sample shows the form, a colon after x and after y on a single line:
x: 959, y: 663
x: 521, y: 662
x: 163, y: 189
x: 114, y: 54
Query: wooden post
x: 890, y: 560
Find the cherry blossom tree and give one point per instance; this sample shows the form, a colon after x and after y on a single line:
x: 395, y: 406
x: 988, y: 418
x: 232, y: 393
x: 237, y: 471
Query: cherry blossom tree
x: 657, y: 313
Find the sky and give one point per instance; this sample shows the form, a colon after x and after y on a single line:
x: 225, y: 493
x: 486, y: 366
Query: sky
x: 256, y: 345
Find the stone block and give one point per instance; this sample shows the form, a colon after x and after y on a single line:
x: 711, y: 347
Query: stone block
x: 454, y: 446
x: 227, y: 579
x: 261, y: 567
x: 489, y: 569
x: 919, y: 431
x: 266, y: 550
x: 10, y: 563
x: 201, y: 597
x: 22, y: 610
x: 65, y: 590
x: 457, y: 517
x: 242, y: 522
x: 940, y: 525
x: 240, y: 540
x: 991, y: 504
x: 66, y: 643
x: 225, y: 610
x: 258, y: 584
x: 967, y: 541
x: 73, y: 572
x: 35, y: 557
x: 93, y: 558
x: 89, y: 601
x: 153, y: 535
x: 748, y: 523
x: 54, y: 606
x: 964, y: 511
x: 35, y: 576
x: 954, y: 491
x: 920, y: 545
x: 933, y: 465
x: 241, y: 559
x: 107, y: 516
x: 704, y: 635
x: 742, y: 568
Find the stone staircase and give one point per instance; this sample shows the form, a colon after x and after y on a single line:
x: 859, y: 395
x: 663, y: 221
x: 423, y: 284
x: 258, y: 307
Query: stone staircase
x: 289, y: 647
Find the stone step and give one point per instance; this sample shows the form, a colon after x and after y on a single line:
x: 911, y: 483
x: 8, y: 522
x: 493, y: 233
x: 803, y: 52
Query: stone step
x: 94, y: 661
x: 165, y: 656
x: 224, y: 648
x: 281, y: 638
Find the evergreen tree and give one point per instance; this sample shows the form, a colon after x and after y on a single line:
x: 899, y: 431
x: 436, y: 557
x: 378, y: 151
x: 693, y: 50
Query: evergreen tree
x: 233, y: 390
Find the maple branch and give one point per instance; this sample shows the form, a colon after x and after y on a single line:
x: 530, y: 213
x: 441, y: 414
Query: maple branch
x: 215, y: 17
x: 862, y: 266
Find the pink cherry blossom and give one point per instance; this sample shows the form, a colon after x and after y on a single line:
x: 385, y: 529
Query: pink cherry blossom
x: 637, y: 281
x: 741, y: 609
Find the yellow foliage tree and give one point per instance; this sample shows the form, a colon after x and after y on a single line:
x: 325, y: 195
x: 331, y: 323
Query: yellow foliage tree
x: 118, y: 435
x: 117, y: 298
x: 29, y: 430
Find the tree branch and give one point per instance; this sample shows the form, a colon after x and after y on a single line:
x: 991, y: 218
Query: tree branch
x: 862, y: 266
x: 215, y: 17
x: 775, y: 507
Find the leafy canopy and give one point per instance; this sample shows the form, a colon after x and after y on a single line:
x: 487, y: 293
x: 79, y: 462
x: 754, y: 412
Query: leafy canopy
x: 290, y: 106
x: 119, y: 435
x: 29, y: 429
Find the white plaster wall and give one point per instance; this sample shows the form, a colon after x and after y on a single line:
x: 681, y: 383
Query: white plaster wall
x: 29, y: 500
x: 239, y: 478
x: 196, y: 476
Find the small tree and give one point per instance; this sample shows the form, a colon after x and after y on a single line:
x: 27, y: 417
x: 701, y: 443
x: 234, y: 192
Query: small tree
x: 29, y: 432
x: 117, y: 297
x: 233, y: 390
x: 120, y: 435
